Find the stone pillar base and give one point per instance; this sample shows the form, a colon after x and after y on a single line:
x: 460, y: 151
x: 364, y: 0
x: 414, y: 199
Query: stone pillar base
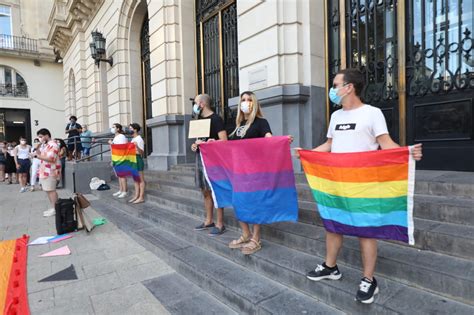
x: 170, y: 141
x: 82, y: 172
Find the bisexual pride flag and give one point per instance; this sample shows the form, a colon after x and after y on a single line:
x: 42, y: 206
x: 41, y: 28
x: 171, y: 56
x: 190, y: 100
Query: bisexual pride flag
x: 13, y: 292
x: 124, y: 160
x: 364, y: 194
x: 254, y: 176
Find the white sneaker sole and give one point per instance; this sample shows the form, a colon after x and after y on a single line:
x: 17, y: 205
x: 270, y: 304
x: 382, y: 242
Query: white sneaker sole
x: 330, y: 277
x: 371, y: 300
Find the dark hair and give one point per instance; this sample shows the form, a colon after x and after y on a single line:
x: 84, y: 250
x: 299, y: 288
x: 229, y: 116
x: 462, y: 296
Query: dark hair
x: 22, y: 137
x: 354, y: 77
x: 73, y: 117
x: 62, y: 144
x: 136, y: 126
x: 119, y: 127
x: 44, y: 132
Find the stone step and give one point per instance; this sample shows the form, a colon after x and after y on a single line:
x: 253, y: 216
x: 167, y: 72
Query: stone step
x: 178, y: 295
x: 451, y: 239
x: 457, y: 210
x: 310, y: 238
x: 170, y: 176
x: 288, y: 266
x: 436, y: 183
x: 243, y: 290
x: 182, y: 297
x: 452, y: 236
x: 435, y: 208
x: 183, y: 167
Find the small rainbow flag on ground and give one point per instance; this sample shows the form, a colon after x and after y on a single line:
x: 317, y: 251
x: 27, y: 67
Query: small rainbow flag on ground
x: 364, y: 194
x: 254, y: 176
x: 13, y: 293
x: 124, y: 160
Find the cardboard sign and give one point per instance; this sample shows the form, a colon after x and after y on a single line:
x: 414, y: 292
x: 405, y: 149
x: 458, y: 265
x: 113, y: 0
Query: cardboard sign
x: 200, y: 128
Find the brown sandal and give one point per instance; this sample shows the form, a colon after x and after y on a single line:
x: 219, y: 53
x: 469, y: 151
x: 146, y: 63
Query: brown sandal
x: 251, y: 247
x: 239, y: 243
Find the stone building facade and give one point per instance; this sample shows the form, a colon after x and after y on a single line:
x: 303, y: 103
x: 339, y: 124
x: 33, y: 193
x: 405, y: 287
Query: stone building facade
x: 31, y: 85
x: 287, y: 51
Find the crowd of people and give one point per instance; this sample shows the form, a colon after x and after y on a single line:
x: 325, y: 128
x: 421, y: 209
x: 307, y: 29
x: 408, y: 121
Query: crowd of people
x: 19, y: 166
x: 46, y: 158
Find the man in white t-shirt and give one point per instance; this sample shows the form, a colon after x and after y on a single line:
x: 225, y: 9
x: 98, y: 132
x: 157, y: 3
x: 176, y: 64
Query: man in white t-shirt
x: 357, y: 127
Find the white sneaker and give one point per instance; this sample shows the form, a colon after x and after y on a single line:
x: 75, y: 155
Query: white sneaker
x: 122, y: 195
x: 23, y: 189
x: 49, y: 212
x: 117, y: 193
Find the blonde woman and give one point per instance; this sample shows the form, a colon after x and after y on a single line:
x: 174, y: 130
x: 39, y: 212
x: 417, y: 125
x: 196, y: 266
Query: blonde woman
x: 249, y: 124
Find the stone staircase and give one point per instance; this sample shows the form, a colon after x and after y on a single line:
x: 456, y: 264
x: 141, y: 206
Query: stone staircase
x: 434, y: 277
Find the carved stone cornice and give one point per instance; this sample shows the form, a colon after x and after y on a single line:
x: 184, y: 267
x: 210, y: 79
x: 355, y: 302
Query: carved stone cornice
x: 67, y: 18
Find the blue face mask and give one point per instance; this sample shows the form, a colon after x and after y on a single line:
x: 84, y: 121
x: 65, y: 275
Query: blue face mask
x: 336, y: 99
x: 196, y: 109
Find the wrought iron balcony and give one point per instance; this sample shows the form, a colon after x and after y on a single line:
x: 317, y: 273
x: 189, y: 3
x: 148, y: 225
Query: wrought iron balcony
x: 16, y: 43
x: 10, y: 90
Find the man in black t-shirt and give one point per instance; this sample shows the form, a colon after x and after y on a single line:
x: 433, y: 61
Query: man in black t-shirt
x: 73, y: 129
x: 202, y: 108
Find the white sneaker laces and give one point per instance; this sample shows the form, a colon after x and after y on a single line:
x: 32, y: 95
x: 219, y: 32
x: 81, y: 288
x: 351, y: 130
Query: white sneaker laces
x: 364, y: 286
x: 319, y: 268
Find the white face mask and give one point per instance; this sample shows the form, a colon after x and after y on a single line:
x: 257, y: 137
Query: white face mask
x: 23, y: 142
x: 245, y: 107
x: 113, y: 130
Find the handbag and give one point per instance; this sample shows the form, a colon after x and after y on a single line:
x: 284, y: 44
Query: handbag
x: 82, y: 201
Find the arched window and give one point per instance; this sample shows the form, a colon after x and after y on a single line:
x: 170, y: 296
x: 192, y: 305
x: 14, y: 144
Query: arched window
x: 72, y: 93
x: 12, y: 83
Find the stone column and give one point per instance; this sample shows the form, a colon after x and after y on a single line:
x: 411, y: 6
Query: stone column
x: 172, y: 73
x: 287, y: 71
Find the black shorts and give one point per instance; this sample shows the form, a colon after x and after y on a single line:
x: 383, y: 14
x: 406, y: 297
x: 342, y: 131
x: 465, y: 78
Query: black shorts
x: 200, y: 179
x: 70, y: 147
x: 24, y: 166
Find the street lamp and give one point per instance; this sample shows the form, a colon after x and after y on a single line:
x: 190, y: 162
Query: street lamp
x: 97, y: 47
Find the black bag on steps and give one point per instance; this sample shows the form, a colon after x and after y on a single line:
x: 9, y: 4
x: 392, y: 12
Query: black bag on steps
x: 65, y: 216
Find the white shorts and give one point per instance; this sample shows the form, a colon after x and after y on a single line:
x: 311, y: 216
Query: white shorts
x: 48, y: 183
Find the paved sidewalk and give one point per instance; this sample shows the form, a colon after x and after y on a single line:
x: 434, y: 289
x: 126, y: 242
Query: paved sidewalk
x: 109, y: 264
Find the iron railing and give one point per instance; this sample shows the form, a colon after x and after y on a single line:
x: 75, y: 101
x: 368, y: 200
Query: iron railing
x: 17, y: 43
x: 95, y: 143
x: 14, y: 90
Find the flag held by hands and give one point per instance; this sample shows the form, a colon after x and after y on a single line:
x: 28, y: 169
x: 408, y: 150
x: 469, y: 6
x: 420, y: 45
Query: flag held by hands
x: 364, y: 194
x: 124, y: 160
x: 254, y: 176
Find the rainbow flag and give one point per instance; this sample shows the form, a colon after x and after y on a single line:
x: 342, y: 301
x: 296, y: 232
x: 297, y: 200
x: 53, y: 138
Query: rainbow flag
x: 364, y: 194
x: 13, y: 293
x: 253, y: 176
x: 124, y: 160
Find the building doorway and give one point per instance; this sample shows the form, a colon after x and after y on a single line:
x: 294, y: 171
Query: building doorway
x: 217, y: 54
x: 15, y: 123
x: 417, y: 58
x: 146, y: 83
